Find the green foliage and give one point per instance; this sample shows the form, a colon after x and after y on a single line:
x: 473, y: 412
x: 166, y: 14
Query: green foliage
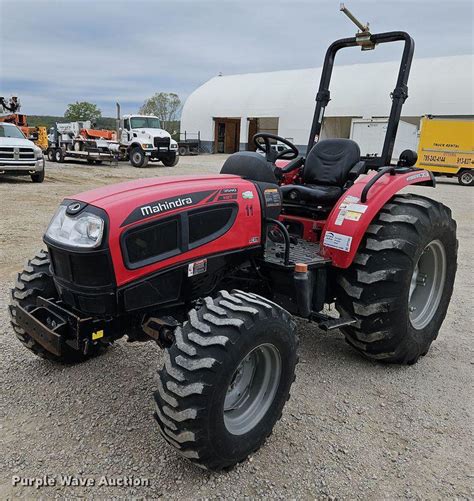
x: 165, y: 106
x: 82, y: 111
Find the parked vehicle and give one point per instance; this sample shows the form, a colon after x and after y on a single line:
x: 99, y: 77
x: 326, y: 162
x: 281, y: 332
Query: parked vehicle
x: 446, y: 148
x: 78, y: 140
x: 369, y: 134
x: 37, y: 135
x: 142, y: 139
x: 189, y: 143
x: 20, y: 156
x: 214, y: 268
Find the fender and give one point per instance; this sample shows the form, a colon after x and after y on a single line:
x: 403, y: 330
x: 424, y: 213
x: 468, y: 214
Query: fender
x: 350, y: 218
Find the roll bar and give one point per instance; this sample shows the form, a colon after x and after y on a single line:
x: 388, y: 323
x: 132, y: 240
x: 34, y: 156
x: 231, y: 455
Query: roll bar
x: 399, y: 94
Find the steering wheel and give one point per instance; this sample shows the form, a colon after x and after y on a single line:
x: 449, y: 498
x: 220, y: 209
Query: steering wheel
x: 262, y: 143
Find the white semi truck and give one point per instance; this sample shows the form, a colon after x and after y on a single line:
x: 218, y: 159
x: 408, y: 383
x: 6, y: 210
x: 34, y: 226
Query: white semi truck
x: 142, y: 139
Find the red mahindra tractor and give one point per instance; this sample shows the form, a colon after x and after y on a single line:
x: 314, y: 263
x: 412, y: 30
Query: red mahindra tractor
x: 214, y: 269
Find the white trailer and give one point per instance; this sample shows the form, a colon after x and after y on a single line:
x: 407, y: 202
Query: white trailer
x: 369, y: 134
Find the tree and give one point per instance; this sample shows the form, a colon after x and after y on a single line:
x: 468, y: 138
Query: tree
x: 82, y: 111
x: 165, y: 106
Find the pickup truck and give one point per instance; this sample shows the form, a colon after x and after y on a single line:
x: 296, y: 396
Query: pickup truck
x: 19, y: 156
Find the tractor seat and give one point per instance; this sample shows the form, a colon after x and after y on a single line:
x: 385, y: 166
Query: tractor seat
x: 327, y: 169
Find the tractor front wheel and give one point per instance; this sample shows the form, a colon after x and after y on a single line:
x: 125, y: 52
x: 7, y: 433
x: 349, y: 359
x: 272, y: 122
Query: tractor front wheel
x: 34, y: 281
x: 226, y: 379
x: 401, y: 281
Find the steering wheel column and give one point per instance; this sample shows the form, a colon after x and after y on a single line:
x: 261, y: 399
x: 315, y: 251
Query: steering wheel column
x: 263, y: 142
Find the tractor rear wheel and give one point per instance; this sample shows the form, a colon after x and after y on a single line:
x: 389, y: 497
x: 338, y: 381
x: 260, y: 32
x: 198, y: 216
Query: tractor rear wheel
x: 226, y: 378
x: 401, y: 281
x: 34, y: 281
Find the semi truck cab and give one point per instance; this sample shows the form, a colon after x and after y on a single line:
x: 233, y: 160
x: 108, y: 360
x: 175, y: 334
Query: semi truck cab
x: 145, y: 140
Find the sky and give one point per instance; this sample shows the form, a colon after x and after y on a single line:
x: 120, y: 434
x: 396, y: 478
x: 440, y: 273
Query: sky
x: 55, y: 52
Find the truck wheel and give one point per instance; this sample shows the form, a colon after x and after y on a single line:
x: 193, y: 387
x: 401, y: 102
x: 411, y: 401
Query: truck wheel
x: 36, y: 280
x: 58, y: 155
x: 466, y: 178
x: 138, y: 157
x: 183, y: 151
x: 38, y: 178
x: 51, y: 155
x: 226, y: 379
x: 401, y: 281
x: 171, y: 160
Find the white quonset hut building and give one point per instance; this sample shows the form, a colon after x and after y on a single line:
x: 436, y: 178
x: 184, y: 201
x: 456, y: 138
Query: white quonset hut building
x: 229, y: 110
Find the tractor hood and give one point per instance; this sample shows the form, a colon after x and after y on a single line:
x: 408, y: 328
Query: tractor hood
x: 142, y: 201
x: 142, y: 197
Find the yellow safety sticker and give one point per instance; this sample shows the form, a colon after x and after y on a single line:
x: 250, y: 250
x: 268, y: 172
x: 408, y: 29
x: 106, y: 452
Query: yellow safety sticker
x: 97, y: 335
x: 352, y: 215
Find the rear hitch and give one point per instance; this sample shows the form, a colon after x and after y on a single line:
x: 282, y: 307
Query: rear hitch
x: 327, y: 323
x: 160, y: 330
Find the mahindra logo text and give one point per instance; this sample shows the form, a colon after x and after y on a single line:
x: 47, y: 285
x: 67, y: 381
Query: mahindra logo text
x: 148, y: 210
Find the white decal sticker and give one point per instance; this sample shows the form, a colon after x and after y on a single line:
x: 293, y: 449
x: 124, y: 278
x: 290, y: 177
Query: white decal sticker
x: 340, y: 217
x: 254, y: 240
x: 197, y: 267
x: 357, y: 208
x: 420, y: 175
x: 350, y: 199
x: 337, y: 241
x: 248, y: 195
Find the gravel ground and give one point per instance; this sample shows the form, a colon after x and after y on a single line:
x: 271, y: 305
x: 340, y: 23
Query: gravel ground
x: 352, y: 429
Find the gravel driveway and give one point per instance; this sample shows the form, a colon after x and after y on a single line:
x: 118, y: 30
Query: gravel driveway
x: 352, y: 428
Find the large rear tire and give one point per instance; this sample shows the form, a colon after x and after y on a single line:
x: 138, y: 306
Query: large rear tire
x: 36, y: 280
x: 226, y: 379
x: 400, y: 284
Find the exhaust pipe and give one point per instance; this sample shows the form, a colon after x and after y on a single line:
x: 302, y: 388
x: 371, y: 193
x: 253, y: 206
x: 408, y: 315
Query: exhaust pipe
x: 118, y: 121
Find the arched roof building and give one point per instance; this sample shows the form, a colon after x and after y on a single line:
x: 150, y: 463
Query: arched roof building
x: 228, y: 110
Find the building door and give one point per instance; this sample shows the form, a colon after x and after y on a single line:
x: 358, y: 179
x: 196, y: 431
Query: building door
x: 227, y: 135
x: 261, y: 124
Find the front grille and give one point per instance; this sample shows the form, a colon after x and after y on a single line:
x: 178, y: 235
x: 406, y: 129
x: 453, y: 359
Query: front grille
x: 89, y: 270
x: 162, y: 142
x: 13, y: 153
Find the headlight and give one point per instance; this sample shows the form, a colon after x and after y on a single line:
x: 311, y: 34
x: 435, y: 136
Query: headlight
x: 38, y: 153
x: 145, y: 146
x: 174, y: 146
x: 83, y: 230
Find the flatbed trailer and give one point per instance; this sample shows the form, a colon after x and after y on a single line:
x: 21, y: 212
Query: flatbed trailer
x: 93, y: 151
x: 189, y: 143
x: 92, y: 157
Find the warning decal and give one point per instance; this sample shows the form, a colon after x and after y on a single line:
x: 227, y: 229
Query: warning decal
x: 337, y: 241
